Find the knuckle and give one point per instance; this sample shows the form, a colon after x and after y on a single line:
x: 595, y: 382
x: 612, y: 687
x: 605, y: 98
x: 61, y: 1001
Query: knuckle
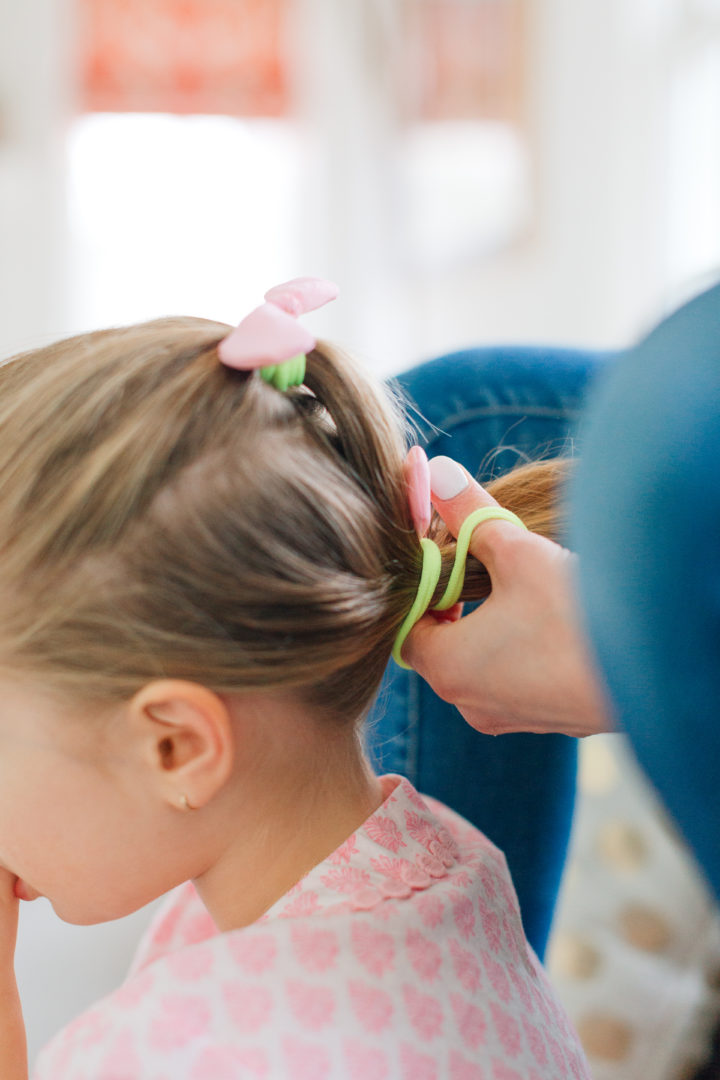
x: 443, y: 685
x: 511, y: 547
x: 484, y: 722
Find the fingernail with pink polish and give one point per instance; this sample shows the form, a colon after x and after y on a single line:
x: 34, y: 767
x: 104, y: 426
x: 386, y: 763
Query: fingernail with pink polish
x: 447, y: 479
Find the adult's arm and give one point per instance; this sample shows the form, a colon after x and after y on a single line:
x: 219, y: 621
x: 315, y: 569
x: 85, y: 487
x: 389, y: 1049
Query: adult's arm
x: 626, y: 632
x: 645, y: 521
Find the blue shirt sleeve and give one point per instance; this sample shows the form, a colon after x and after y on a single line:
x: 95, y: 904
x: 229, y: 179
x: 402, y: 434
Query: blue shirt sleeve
x: 645, y: 521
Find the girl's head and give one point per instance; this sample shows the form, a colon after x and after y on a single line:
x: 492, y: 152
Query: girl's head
x: 166, y: 517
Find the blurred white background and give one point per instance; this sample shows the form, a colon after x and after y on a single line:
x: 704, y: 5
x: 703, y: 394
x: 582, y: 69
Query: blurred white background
x: 469, y: 171
x: 563, y: 192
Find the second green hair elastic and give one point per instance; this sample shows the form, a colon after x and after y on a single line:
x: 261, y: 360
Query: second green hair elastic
x: 430, y: 574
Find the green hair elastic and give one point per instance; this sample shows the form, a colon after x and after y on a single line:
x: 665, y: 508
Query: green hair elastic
x: 429, y: 577
x: 430, y: 574
x: 289, y: 373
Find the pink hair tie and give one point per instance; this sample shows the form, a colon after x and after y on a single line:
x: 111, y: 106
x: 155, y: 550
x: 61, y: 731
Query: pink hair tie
x: 270, y: 337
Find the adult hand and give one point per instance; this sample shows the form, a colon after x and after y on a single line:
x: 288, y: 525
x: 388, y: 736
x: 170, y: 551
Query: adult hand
x: 520, y: 661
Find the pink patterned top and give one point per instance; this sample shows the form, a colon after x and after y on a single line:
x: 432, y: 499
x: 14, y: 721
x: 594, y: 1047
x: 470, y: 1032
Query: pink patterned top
x: 400, y: 956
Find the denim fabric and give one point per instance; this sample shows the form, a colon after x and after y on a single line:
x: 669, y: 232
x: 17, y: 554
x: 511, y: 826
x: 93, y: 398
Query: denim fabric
x: 492, y: 409
x: 645, y: 520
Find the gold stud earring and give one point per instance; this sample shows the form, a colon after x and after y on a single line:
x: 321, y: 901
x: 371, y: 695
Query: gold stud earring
x: 185, y: 804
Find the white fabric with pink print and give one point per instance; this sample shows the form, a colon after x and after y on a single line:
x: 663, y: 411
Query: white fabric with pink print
x: 399, y: 957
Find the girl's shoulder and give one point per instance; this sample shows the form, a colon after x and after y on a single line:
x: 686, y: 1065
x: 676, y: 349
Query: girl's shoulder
x: 410, y: 843
x: 401, y: 954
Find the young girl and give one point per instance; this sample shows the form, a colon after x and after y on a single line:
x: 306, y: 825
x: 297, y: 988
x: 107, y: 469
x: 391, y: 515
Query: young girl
x: 203, y: 576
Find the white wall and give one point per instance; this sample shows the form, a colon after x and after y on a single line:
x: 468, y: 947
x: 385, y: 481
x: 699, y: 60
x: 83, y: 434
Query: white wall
x: 595, y: 262
x: 623, y: 161
x: 35, y: 102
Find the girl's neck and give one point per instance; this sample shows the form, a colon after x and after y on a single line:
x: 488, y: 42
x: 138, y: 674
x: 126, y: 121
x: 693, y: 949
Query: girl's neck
x: 297, y: 825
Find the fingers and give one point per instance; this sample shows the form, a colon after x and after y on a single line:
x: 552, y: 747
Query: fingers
x: 443, y: 650
x: 455, y: 494
x: 430, y: 649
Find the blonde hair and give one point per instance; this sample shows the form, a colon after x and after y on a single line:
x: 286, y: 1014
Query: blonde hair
x: 163, y: 515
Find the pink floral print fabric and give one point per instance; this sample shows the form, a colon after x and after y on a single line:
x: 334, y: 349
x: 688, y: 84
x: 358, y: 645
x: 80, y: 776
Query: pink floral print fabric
x: 399, y: 957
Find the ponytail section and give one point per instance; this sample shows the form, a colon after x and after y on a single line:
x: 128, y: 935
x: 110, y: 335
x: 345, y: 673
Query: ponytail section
x: 371, y: 433
x: 534, y: 491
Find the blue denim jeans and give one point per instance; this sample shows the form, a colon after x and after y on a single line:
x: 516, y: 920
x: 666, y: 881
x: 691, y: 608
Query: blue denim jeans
x: 492, y: 409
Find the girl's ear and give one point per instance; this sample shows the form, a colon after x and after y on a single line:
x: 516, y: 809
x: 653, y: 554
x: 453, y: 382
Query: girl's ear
x: 187, y: 739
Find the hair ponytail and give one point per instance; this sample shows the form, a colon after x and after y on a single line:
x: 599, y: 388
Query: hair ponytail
x: 534, y: 492
x: 370, y: 431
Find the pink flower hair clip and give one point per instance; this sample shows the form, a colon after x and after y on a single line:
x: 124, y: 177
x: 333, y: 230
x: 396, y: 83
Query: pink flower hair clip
x: 271, y: 338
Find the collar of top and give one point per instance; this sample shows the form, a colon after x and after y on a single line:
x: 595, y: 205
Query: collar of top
x: 400, y: 849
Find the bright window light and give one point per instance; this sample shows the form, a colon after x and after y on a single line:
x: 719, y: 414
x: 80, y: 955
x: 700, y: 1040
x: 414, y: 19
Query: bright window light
x: 467, y: 190
x: 174, y: 215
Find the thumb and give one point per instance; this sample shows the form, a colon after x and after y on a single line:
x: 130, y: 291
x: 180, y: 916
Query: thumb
x: 431, y: 649
x: 455, y: 495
